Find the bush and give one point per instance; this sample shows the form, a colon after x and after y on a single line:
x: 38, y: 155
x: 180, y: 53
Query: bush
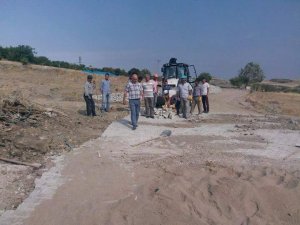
x: 205, y: 76
x: 236, y: 81
x: 24, y: 61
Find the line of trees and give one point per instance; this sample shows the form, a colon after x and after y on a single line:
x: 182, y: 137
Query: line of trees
x: 27, y: 55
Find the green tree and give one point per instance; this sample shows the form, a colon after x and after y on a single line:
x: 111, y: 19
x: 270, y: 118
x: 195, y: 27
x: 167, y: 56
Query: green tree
x: 134, y: 70
x: 251, y: 73
x: 204, y: 75
x: 236, y: 81
x: 42, y: 60
x: 144, y: 72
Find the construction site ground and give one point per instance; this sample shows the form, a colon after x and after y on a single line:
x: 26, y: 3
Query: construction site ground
x: 238, y: 164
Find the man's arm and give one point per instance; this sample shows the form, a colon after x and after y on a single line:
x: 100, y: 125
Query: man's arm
x: 141, y: 91
x: 125, y: 94
x: 124, y: 97
x: 86, y: 89
x: 207, y: 89
x: 101, y: 87
x: 190, y: 90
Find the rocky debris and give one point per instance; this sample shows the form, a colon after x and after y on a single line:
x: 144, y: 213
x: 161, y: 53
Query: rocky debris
x: 15, y: 110
x: 114, y: 97
x: 164, y: 113
x: 17, y: 181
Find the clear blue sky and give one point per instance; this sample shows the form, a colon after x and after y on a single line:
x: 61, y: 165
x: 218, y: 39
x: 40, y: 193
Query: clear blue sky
x: 218, y: 36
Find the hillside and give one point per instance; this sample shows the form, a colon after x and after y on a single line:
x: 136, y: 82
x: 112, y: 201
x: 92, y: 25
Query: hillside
x: 42, y: 114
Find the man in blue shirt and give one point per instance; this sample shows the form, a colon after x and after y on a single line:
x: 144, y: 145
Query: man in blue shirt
x: 105, y: 91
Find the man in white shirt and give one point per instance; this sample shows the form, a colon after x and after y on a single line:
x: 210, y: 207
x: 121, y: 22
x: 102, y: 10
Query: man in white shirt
x: 184, y: 89
x: 88, y: 96
x: 148, y: 90
x: 204, y: 93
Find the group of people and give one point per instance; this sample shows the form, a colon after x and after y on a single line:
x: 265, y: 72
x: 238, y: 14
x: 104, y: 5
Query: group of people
x: 191, y: 96
x: 136, y: 90
x: 90, y: 87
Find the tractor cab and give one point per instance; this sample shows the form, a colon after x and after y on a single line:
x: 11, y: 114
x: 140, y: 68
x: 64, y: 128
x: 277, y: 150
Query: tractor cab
x: 173, y: 71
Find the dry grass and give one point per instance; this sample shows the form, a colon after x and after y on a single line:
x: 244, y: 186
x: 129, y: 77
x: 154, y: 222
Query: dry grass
x: 48, y: 82
x: 291, y: 84
x: 276, y: 103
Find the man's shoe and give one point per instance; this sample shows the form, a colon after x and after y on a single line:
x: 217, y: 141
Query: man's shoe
x: 133, y: 128
x: 152, y: 117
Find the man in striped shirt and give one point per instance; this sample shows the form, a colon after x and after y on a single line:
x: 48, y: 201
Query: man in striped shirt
x: 134, y: 90
x: 148, y: 89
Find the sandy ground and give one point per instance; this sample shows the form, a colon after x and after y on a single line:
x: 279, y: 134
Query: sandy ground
x: 231, y: 166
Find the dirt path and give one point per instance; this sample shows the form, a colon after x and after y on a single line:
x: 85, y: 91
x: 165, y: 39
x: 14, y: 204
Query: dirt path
x: 231, y: 166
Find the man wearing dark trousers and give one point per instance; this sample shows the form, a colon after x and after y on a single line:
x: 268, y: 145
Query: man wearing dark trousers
x: 204, y: 93
x: 88, y: 96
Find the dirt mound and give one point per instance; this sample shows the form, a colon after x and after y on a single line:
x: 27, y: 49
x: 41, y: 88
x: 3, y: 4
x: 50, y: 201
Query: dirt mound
x: 275, y: 103
x: 23, y: 129
x: 211, y: 194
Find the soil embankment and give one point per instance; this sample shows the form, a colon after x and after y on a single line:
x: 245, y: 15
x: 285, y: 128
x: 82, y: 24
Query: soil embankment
x: 42, y: 115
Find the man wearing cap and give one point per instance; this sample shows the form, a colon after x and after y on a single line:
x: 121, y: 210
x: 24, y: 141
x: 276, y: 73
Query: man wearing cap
x: 184, y: 90
x: 88, y: 96
x: 105, y: 91
x: 135, y: 92
x: 155, y: 92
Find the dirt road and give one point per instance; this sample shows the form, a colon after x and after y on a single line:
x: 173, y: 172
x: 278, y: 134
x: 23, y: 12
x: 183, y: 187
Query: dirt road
x: 231, y: 166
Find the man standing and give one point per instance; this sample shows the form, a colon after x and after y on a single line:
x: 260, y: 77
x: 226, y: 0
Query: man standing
x: 184, y: 90
x: 105, y: 91
x: 88, y: 96
x: 204, y: 92
x: 148, y: 89
x: 135, y: 93
x: 166, y: 92
x: 196, y: 97
x: 155, y: 83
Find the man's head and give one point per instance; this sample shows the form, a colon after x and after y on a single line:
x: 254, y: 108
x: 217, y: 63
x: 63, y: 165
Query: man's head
x: 196, y: 82
x: 155, y: 76
x: 106, y: 76
x: 140, y: 79
x: 134, y: 78
x: 89, y: 78
x: 147, y: 78
x: 203, y: 81
x: 183, y: 80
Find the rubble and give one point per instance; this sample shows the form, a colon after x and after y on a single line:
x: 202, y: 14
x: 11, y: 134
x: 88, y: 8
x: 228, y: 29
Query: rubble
x: 164, y: 113
x: 114, y: 97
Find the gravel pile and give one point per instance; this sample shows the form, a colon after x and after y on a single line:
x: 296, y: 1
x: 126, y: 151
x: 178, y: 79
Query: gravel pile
x: 167, y: 113
x: 114, y: 97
